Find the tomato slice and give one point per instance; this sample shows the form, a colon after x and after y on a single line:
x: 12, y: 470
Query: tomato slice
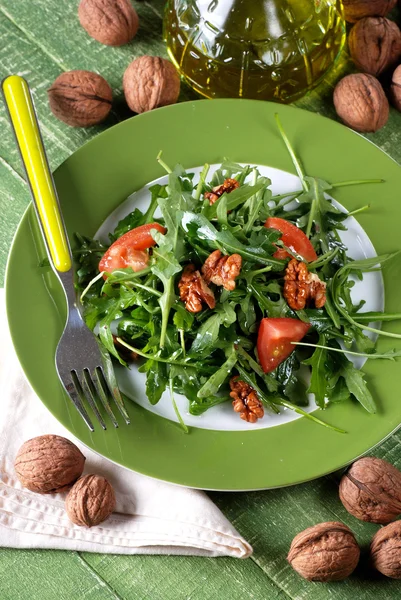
x: 130, y: 250
x: 293, y: 237
x: 274, y: 340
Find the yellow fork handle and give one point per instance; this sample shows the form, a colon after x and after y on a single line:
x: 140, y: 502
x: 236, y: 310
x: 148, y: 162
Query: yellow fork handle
x: 26, y: 128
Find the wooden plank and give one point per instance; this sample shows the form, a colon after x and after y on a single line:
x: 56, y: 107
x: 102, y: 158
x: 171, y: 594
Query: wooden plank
x: 46, y: 575
x: 41, y: 42
x: 184, y: 578
x: 270, y: 520
x: 14, y: 198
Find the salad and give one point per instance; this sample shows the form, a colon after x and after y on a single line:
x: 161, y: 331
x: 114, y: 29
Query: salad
x: 224, y: 293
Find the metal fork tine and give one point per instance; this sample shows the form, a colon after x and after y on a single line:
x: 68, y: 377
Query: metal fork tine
x: 116, y: 395
x: 103, y: 395
x: 72, y: 391
x: 90, y: 394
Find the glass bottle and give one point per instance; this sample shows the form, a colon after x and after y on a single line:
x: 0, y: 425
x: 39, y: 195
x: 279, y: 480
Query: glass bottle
x: 263, y: 49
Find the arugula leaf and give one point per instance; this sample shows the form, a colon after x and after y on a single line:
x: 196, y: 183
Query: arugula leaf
x: 247, y: 315
x: 235, y: 198
x: 199, y: 406
x: 318, y: 382
x: 156, y: 380
x: 132, y: 220
x: 226, y: 313
x: 357, y: 386
x: 340, y: 392
x: 340, y: 285
x: 213, y: 385
x: 183, y: 319
x: 257, y: 203
x: 197, y: 226
x: 206, y: 336
x: 170, y: 246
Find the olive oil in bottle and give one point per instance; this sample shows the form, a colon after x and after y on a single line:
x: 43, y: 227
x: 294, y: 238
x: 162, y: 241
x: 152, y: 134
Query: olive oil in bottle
x: 262, y: 49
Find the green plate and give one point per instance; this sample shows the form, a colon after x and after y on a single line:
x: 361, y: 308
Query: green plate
x: 97, y: 178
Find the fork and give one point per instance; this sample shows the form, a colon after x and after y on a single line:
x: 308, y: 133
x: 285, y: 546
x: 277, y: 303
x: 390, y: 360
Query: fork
x: 79, y: 361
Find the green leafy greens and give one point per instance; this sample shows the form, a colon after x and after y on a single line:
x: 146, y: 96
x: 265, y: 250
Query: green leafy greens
x: 197, y: 354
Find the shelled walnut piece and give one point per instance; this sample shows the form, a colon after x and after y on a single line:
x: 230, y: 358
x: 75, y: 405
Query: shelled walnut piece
x: 245, y: 400
x: 48, y: 464
x: 371, y: 490
x: 194, y: 290
x: 301, y: 287
x: 229, y: 185
x: 324, y: 552
x: 222, y: 270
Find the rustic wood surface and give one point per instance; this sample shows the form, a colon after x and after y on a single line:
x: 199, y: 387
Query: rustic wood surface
x: 39, y: 40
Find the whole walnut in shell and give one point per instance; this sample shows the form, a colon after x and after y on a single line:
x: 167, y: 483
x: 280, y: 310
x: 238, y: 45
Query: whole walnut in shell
x: 80, y: 98
x: 385, y: 550
x: 90, y: 501
x: 150, y: 82
x: 371, y: 490
x: 361, y: 103
x: 357, y: 9
x: 375, y: 44
x: 48, y: 464
x: 396, y: 88
x: 110, y: 22
x: 325, y: 552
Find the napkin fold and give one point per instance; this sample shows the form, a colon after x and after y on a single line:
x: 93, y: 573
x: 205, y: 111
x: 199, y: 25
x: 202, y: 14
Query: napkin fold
x: 152, y: 517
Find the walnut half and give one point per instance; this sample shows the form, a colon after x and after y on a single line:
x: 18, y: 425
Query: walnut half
x: 222, y: 270
x: 194, y: 291
x: 301, y: 287
x: 245, y: 400
x: 228, y: 186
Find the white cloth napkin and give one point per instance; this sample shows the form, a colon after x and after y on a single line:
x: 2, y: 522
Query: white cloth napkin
x: 152, y: 517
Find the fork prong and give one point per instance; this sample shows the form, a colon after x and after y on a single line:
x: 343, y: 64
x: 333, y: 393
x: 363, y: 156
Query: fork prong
x: 116, y: 395
x: 103, y: 395
x: 72, y: 391
x: 90, y: 394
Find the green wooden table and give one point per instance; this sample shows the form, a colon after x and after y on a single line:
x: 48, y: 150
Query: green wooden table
x: 40, y: 40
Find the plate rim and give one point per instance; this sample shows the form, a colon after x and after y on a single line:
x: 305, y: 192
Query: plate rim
x: 84, y: 149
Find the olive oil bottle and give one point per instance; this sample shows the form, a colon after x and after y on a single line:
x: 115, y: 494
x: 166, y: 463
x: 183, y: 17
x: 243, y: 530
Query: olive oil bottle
x: 262, y: 49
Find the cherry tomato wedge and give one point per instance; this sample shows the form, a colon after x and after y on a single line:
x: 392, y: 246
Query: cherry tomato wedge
x: 130, y: 250
x: 293, y: 237
x: 274, y: 340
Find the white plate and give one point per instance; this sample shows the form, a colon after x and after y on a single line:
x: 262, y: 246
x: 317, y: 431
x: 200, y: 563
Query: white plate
x: 222, y: 417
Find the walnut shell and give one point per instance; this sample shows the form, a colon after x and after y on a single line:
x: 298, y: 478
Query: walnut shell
x: 396, y: 88
x: 371, y: 490
x: 385, y: 550
x: 90, y: 501
x: 110, y: 22
x: 361, y: 103
x: 325, y: 552
x: 80, y: 98
x: 48, y: 464
x: 375, y: 44
x: 150, y: 82
x: 357, y: 9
